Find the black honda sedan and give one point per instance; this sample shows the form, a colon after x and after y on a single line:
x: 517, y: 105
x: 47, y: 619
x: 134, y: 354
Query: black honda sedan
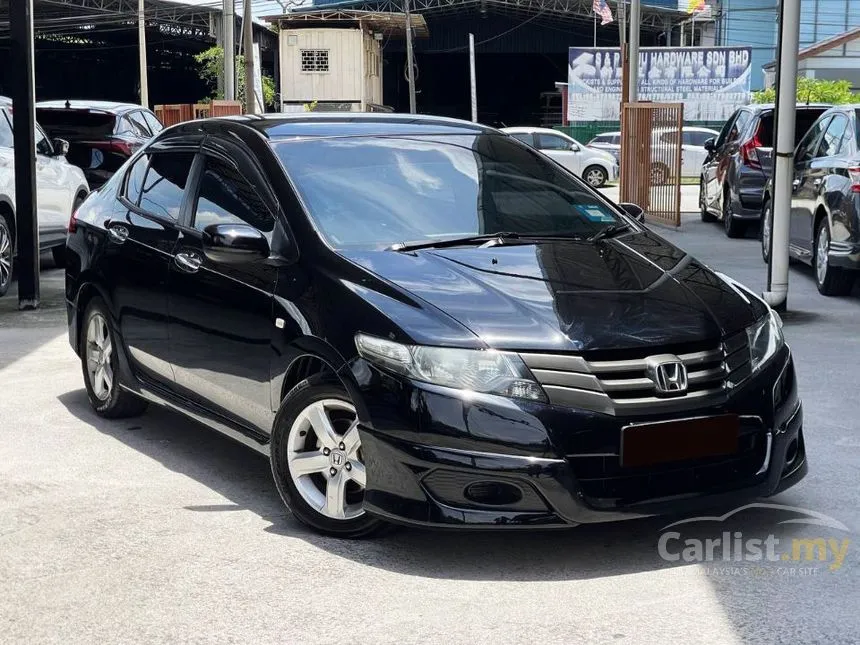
x: 424, y: 321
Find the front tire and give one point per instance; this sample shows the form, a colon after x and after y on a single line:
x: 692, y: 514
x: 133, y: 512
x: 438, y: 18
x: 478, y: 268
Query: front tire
x: 317, y: 462
x: 7, y: 256
x: 830, y: 280
x: 595, y: 176
x: 99, y: 362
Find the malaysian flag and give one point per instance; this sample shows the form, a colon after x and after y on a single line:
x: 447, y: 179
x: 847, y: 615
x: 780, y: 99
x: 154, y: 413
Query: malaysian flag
x: 602, y: 9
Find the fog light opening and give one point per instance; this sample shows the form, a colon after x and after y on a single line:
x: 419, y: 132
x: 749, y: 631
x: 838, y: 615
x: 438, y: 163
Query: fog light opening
x: 791, y: 453
x: 493, y: 493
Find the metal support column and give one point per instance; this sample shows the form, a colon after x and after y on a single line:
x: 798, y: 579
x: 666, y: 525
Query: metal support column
x: 229, y: 44
x: 410, y: 58
x: 24, y: 106
x: 248, y: 38
x: 783, y: 170
x: 472, y: 79
x: 141, y: 46
x: 633, y: 64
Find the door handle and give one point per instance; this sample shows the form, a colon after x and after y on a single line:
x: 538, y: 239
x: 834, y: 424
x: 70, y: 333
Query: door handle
x: 118, y: 233
x: 188, y: 261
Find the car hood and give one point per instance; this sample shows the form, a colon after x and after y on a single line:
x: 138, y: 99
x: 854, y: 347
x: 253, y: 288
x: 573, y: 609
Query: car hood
x: 633, y: 291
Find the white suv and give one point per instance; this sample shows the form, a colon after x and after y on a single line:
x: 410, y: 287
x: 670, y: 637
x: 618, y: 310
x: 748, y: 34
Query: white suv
x: 594, y: 166
x: 60, y: 189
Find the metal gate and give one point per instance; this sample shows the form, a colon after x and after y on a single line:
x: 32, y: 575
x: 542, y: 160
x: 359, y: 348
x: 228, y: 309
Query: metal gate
x: 651, y: 140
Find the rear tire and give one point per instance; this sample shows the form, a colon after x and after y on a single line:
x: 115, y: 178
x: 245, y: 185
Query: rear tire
x: 317, y: 462
x: 734, y: 227
x: 830, y: 280
x: 7, y: 256
x: 766, y: 230
x: 100, y: 365
x: 703, y: 205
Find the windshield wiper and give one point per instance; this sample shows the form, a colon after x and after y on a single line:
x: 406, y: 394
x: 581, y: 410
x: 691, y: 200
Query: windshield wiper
x: 502, y: 236
x: 610, y: 231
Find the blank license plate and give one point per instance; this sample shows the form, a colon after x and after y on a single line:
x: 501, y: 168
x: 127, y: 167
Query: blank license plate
x: 647, y: 444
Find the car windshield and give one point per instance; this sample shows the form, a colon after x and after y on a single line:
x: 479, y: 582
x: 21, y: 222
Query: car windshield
x: 373, y: 192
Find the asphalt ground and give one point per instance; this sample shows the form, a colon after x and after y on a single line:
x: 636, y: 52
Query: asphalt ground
x: 157, y: 530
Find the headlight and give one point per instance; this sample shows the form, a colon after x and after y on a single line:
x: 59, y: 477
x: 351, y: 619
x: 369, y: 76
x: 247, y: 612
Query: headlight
x: 488, y: 371
x: 765, y: 339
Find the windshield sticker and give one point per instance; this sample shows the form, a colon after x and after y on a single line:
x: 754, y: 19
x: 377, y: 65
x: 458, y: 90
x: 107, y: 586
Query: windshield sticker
x: 596, y: 214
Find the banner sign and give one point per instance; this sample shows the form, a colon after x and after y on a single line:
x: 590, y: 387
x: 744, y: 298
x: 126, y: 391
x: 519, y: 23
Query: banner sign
x: 711, y: 82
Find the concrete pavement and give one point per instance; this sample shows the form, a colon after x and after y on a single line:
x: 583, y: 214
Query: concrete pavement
x: 156, y: 530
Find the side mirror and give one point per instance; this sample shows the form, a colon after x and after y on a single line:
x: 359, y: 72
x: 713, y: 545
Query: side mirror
x: 574, y: 147
x: 234, y: 243
x: 633, y: 211
x: 61, y: 147
x: 709, y: 144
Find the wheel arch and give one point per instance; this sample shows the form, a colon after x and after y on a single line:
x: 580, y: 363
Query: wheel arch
x: 88, y: 290
x: 820, y: 214
x: 308, y: 356
x: 7, y: 212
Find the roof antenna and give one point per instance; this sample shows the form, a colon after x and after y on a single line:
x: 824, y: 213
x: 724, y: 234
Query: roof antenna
x: 68, y: 105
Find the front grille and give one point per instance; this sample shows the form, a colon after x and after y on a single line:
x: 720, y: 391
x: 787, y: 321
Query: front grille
x: 606, y: 484
x: 624, y: 388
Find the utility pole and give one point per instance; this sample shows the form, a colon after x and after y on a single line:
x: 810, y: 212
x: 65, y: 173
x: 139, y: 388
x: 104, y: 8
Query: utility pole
x: 141, y: 37
x: 24, y: 104
x: 622, y: 38
x: 410, y: 59
x: 472, y: 80
x: 248, y: 37
x: 229, y: 19
x: 783, y: 173
x: 633, y: 64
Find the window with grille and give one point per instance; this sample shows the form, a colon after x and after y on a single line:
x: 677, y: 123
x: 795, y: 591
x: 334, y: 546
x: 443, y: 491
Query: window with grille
x: 314, y: 60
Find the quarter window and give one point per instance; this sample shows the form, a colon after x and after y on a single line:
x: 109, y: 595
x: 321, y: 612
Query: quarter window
x: 152, y: 121
x: 226, y: 197
x: 525, y: 137
x: 139, y: 124
x: 164, y: 186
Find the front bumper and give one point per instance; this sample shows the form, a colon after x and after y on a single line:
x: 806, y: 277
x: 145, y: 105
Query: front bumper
x: 435, y: 458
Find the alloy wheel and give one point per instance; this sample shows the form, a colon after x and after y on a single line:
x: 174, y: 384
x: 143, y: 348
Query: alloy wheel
x: 5, y: 256
x: 99, y: 352
x: 324, y: 457
x: 822, y: 247
x: 595, y: 178
x: 766, y: 225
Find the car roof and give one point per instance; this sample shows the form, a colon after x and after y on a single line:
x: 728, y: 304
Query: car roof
x: 529, y: 129
x: 114, y: 107
x: 761, y: 107
x: 345, y: 124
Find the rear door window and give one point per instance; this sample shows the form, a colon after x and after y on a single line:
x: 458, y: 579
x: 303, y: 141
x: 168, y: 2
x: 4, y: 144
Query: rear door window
x: 526, y: 137
x: 831, y: 140
x: 139, y: 123
x: 552, y: 142
x: 809, y: 144
x: 134, y: 179
x: 152, y: 121
x: 165, y: 183
x: 6, y: 139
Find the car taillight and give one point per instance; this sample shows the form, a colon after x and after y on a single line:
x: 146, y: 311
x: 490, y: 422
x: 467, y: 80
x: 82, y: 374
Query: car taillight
x: 854, y: 176
x: 73, y: 221
x: 749, y: 152
x: 123, y: 147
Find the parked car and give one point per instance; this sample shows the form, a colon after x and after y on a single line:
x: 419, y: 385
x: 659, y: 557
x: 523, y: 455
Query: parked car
x: 594, y: 166
x: 411, y: 315
x: 102, y: 135
x: 733, y: 177
x: 60, y: 189
x: 693, y: 152
x: 824, y: 228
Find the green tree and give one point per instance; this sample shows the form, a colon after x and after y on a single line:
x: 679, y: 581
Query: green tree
x: 211, y: 65
x: 813, y: 90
